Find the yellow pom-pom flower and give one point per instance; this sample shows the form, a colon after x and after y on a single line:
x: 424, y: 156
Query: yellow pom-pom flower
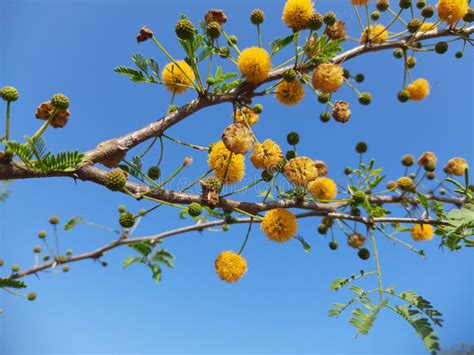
x: 456, y: 166
x: 230, y: 266
x: 427, y: 26
x: 328, y: 77
x: 421, y: 232
x: 290, y: 93
x: 246, y: 116
x: 360, y: 2
x: 374, y: 34
x: 267, y: 155
x: 254, y: 63
x: 323, y: 188
x: 452, y: 11
x: 296, y: 13
x: 418, y: 89
x: 229, y: 172
x: 178, y: 77
x: 301, y: 170
x: 279, y: 225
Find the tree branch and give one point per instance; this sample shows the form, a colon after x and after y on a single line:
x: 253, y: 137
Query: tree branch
x: 200, y: 227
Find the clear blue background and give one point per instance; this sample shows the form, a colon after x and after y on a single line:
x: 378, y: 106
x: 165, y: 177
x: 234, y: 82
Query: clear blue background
x: 281, y: 304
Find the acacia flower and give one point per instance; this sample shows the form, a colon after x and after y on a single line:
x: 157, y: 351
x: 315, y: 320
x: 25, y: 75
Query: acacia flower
x: 301, y: 170
x: 296, y: 14
x: 230, y: 266
x: 360, y: 2
x: 427, y: 26
x: 322, y: 188
x: 418, y: 89
x: 427, y: 159
x: 452, y: 11
x: 267, y: 155
x: 254, y: 63
x: 374, y: 34
x: 279, y: 225
x: 178, y: 77
x: 289, y: 93
x: 456, y: 166
x: 356, y: 240
x: 405, y: 183
x: 328, y: 77
x: 246, y: 116
x: 421, y: 232
x: 227, y: 167
x: 237, y: 138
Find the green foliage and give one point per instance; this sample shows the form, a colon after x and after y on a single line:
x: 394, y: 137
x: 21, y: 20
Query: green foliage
x: 11, y: 283
x: 304, y: 243
x: 36, y: 158
x: 149, y: 70
x: 339, y: 283
x: 72, y: 223
x: 150, y: 257
x: 279, y: 43
x: 461, y: 226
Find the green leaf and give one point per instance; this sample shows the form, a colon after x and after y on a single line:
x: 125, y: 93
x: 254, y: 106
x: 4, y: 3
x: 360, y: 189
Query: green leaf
x: 11, y: 283
x: 127, y: 71
x: 422, y: 327
x: 304, y: 243
x: 141, y: 62
x: 129, y: 260
x: 337, y: 284
x: 72, y: 223
x: 278, y: 44
x: 364, y: 321
x: 144, y: 248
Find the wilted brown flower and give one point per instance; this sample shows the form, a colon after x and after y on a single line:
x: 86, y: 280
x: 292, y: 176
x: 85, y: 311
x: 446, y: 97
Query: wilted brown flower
x: 337, y: 31
x: 341, y: 111
x: 43, y: 112
x: 322, y: 167
x: 215, y: 15
x: 145, y: 34
x: 237, y: 138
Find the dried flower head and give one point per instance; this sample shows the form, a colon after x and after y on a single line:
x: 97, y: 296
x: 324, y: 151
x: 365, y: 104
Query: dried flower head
x: 301, y: 170
x: 267, y: 155
x: 341, y: 111
x: 328, y: 77
x: 237, y: 138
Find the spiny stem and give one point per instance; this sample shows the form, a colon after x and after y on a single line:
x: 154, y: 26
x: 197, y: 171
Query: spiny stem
x: 194, y: 146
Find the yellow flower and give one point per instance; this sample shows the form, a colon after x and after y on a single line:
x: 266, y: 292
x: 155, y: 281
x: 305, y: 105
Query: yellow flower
x: 427, y: 26
x: 246, y: 116
x: 376, y: 34
x: 427, y: 159
x: 237, y: 138
x: 227, y: 167
x: 267, y: 155
x: 178, y: 77
x: 290, y: 93
x: 418, y: 89
x: 301, y: 171
x: 230, y: 266
x: 405, y: 184
x: 296, y: 13
x: 452, y: 11
x: 456, y: 166
x: 254, y: 64
x: 328, y: 77
x: 279, y: 225
x: 360, y: 2
x: 323, y: 188
x: 421, y: 232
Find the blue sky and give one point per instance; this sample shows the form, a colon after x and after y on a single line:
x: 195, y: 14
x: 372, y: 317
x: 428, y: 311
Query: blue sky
x: 281, y: 305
